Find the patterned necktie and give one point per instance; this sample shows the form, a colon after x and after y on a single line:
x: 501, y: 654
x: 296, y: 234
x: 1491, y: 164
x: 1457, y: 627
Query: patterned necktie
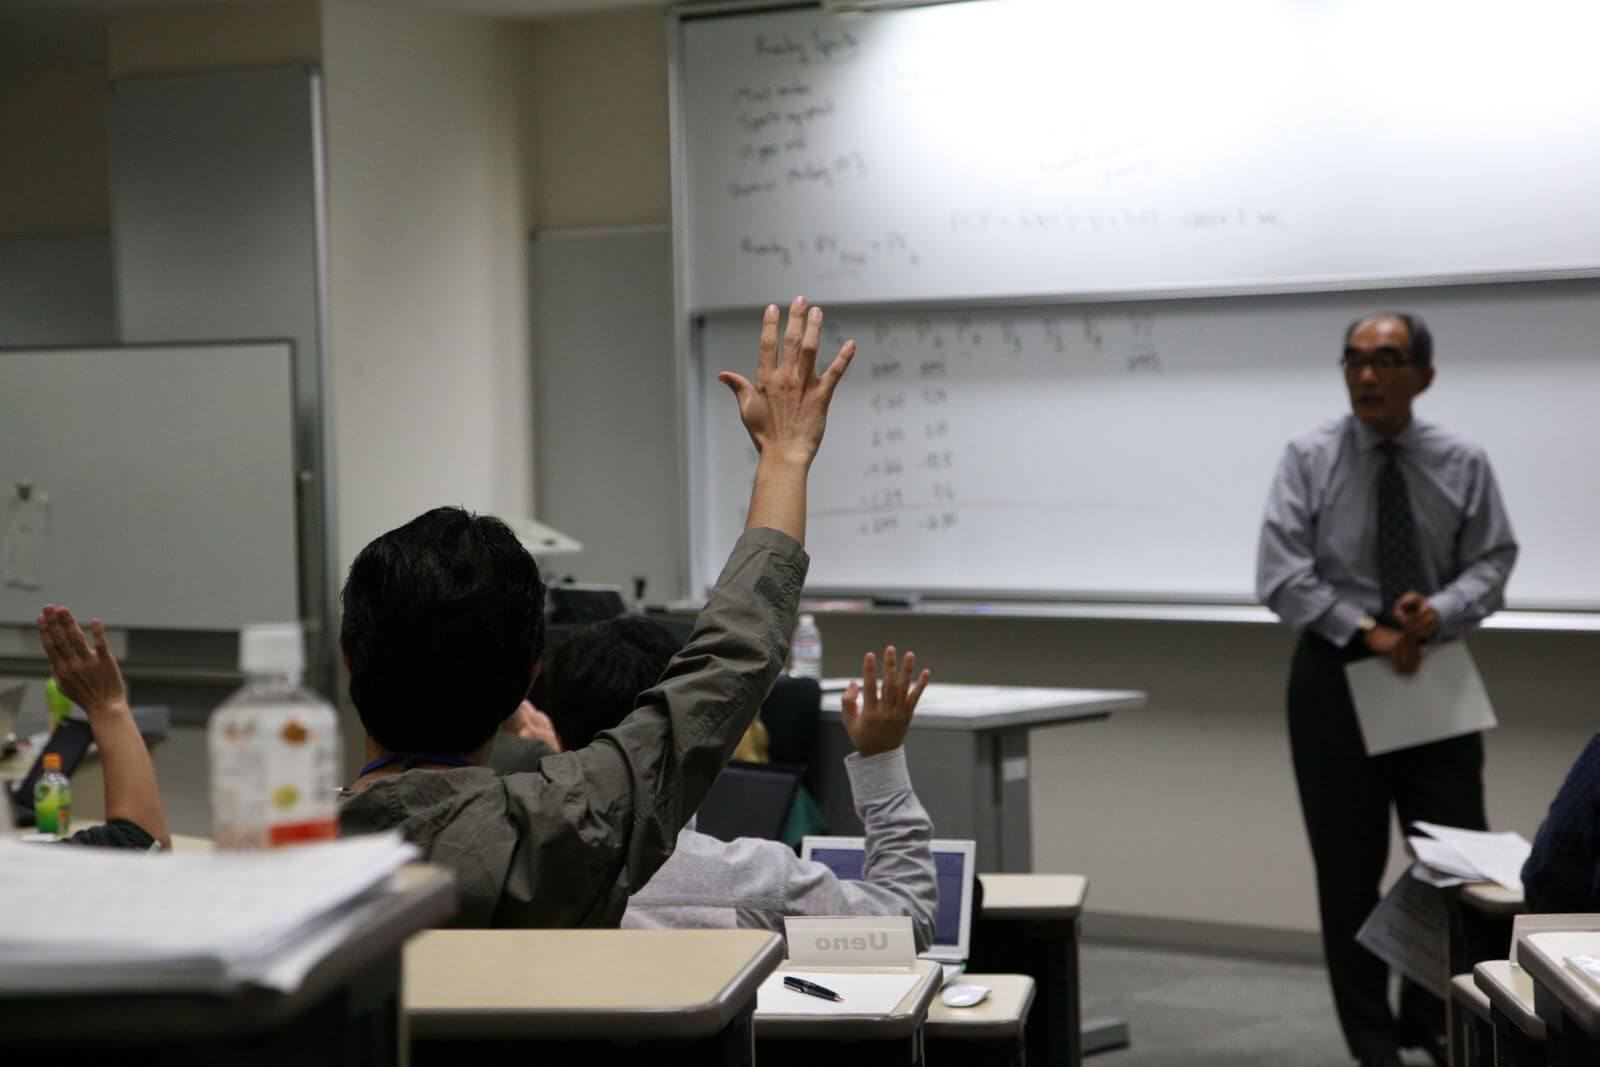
x: 1399, y: 570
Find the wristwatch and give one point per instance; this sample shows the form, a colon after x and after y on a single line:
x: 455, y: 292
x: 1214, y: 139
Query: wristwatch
x: 1365, y: 624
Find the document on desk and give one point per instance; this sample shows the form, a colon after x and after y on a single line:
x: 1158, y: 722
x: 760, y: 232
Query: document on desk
x: 1445, y: 698
x: 190, y: 922
x: 1409, y: 930
x: 865, y: 992
x: 1479, y: 855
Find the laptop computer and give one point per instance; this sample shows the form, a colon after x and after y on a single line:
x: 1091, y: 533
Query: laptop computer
x: 954, y: 865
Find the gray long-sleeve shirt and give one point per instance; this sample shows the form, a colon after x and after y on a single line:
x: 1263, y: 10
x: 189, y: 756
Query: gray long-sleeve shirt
x: 1317, y: 565
x: 566, y: 844
x: 751, y: 882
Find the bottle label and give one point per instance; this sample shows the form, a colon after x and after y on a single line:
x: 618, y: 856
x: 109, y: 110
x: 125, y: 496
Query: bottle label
x: 52, y: 806
x: 275, y: 775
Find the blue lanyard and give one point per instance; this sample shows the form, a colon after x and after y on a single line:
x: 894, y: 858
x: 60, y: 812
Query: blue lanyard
x: 410, y: 760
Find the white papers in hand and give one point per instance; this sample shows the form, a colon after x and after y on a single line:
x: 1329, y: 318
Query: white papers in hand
x: 1445, y: 698
x: 1476, y: 855
x: 1408, y: 931
x: 864, y: 992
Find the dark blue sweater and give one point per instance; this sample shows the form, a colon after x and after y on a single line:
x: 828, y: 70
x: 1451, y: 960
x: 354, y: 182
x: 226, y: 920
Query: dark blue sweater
x: 1563, y: 872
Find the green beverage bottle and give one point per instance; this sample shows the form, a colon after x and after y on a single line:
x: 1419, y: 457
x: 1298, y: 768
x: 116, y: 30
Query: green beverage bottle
x: 52, y: 798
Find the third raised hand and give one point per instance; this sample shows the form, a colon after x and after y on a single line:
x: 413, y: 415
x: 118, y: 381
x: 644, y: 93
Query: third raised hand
x: 877, y: 720
x: 786, y: 409
x: 89, y: 677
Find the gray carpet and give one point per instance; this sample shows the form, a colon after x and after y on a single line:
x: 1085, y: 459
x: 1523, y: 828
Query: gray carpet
x: 1189, y: 1010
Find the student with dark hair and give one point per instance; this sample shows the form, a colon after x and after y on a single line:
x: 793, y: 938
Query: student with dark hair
x: 593, y: 682
x: 443, y: 636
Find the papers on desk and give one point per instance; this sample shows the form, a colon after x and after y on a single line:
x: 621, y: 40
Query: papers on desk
x: 1445, y: 698
x: 1449, y: 856
x: 89, y: 920
x: 1409, y: 931
x: 865, y: 992
x: 1588, y: 967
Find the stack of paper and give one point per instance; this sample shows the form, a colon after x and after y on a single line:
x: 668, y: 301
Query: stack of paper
x: 1447, y: 856
x: 101, y: 920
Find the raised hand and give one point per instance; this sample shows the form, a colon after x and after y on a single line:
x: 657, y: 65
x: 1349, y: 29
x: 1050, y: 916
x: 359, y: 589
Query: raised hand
x: 531, y: 724
x: 89, y: 677
x: 880, y: 721
x: 786, y: 409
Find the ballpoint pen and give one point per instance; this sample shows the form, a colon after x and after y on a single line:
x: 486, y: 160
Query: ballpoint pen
x: 810, y: 989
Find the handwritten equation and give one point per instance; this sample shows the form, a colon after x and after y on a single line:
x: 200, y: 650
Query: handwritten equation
x: 827, y: 254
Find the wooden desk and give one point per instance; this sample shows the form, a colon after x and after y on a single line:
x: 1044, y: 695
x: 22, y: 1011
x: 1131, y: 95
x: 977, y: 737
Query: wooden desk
x: 1029, y: 925
x: 1519, y: 1034
x: 990, y: 1034
x: 1567, y: 1002
x: 585, y: 996
x: 968, y: 751
x: 346, y: 1011
x: 892, y: 1040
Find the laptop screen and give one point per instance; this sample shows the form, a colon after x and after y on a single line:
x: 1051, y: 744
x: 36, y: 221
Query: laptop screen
x: 953, y: 870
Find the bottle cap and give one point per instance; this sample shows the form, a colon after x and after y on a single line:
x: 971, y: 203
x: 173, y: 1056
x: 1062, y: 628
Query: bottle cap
x: 52, y: 761
x: 808, y: 620
x: 272, y: 648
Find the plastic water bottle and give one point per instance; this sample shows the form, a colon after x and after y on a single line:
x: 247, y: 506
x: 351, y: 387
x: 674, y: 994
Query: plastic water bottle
x: 52, y: 798
x: 274, y: 750
x: 806, y: 655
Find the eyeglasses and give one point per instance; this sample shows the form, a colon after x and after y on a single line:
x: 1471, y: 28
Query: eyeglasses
x: 1382, y: 361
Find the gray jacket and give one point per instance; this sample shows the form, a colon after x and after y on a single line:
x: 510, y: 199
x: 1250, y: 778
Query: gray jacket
x: 753, y: 882
x: 566, y: 844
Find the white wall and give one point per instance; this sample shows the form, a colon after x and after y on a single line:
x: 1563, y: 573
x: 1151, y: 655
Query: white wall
x: 428, y: 316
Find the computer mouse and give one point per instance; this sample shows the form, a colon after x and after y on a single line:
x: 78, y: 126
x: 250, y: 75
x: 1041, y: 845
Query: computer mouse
x: 964, y: 995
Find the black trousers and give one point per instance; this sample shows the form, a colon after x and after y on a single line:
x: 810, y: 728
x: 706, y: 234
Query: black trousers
x: 1345, y: 797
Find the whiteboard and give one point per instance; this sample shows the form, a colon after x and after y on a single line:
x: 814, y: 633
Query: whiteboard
x: 170, y: 475
x: 1124, y: 450
x: 1032, y: 148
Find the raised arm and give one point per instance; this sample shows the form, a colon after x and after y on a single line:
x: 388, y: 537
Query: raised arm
x: 637, y: 785
x: 91, y: 679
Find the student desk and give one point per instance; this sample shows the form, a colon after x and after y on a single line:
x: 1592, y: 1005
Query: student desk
x: 1479, y: 918
x: 1568, y: 1002
x: 1472, y: 1035
x: 1029, y: 925
x: 1519, y: 1034
x: 892, y: 1040
x: 989, y: 1034
x: 586, y: 997
x: 345, y: 1013
x: 968, y: 752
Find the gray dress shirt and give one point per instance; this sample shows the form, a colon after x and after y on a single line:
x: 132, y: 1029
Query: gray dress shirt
x: 1317, y: 565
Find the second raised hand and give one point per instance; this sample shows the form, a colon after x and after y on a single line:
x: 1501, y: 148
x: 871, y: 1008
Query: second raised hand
x: 880, y: 722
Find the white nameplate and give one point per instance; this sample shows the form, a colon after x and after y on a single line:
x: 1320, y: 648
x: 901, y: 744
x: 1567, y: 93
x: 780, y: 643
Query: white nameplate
x: 858, y: 941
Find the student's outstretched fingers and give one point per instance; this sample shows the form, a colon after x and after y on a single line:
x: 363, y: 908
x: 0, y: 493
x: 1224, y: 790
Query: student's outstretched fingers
x: 769, y: 340
x: 916, y: 691
x: 794, y: 332
x: 810, y: 341
x: 841, y: 363
x: 869, y: 681
x: 891, y: 677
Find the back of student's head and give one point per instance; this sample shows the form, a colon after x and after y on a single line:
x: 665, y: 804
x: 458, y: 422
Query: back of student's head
x: 592, y: 679
x: 443, y: 623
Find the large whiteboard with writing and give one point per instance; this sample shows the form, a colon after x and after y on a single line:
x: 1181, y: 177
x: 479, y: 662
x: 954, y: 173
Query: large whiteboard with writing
x: 1125, y: 449
x: 1033, y: 148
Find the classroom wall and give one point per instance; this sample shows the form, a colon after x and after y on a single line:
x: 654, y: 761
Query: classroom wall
x: 597, y: 94
x: 184, y: 39
x: 53, y: 126
x: 428, y: 317
x: 1184, y: 814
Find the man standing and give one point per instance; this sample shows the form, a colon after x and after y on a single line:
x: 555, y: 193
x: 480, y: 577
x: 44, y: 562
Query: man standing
x: 1382, y: 533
